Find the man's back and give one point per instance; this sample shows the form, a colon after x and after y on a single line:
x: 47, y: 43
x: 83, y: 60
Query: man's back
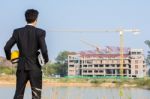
x: 29, y: 40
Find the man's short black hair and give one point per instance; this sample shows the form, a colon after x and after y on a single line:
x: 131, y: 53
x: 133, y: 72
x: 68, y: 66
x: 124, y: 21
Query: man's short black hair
x: 31, y: 15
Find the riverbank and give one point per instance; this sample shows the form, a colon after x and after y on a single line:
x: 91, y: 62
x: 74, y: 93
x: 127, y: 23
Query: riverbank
x: 6, y: 80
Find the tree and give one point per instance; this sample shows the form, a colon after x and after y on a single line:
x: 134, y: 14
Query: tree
x: 62, y: 57
x: 61, y: 60
x: 60, y: 67
x: 51, y: 69
x: 147, y: 42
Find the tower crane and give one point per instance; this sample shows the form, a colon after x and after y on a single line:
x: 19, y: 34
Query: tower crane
x: 120, y: 31
x: 92, y: 45
x: 98, y: 48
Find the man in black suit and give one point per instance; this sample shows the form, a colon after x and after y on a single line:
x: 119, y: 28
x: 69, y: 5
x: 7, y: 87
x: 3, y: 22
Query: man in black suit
x: 29, y: 40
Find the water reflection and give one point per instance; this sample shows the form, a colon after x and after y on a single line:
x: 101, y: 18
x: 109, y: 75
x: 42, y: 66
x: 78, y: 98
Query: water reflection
x: 81, y: 93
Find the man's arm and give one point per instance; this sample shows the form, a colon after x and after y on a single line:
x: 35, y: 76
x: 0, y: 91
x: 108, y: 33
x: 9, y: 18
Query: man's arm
x: 9, y: 45
x: 43, y: 46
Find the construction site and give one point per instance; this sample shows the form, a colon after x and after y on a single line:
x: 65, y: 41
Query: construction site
x: 107, y: 62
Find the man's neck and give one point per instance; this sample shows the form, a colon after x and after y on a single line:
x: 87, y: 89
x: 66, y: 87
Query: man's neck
x: 31, y: 24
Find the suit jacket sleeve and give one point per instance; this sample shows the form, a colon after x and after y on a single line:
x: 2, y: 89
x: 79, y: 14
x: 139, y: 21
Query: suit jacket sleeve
x: 9, y: 45
x: 43, y: 46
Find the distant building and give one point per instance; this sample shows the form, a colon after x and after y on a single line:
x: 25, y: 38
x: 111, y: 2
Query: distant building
x: 107, y: 63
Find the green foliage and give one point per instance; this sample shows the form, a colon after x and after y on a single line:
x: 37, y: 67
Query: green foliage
x: 139, y: 82
x: 55, y: 69
x: 62, y: 57
x: 7, y: 70
x: 94, y: 81
x: 147, y: 42
x: 49, y: 69
x: 60, y: 67
x: 143, y: 82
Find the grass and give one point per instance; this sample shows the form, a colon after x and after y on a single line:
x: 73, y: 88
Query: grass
x: 7, y: 70
x: 130, y: 82
x: 138, y: 82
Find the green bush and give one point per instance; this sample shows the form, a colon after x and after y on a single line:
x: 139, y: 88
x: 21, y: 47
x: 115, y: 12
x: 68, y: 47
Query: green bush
x: 7, y: 70
x: 95, y: 81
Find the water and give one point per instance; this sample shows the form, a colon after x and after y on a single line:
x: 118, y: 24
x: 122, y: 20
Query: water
x: 80, y: 93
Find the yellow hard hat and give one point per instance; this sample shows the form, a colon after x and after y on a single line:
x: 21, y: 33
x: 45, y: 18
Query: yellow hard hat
x: 14, y: 55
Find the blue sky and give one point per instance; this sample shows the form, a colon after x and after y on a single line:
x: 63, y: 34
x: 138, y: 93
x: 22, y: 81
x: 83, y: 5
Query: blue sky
x: 79, y: 14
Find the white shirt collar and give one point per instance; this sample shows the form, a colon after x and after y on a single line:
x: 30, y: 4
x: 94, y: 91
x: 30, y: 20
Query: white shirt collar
x: 30, y: 24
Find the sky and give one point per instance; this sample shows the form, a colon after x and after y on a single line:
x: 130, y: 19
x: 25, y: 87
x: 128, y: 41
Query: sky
x: 79, y: 14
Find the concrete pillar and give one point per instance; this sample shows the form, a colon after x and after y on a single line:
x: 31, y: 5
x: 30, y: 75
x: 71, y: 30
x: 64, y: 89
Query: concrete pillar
x: 104, y: 70
x: 127, y: 72
x: 115, y: 70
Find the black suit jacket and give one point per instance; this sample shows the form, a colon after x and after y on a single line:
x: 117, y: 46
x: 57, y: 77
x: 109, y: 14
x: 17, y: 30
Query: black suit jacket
x: 29, y: 40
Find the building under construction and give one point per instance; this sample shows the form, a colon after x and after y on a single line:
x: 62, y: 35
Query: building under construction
x: 107, y: 62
